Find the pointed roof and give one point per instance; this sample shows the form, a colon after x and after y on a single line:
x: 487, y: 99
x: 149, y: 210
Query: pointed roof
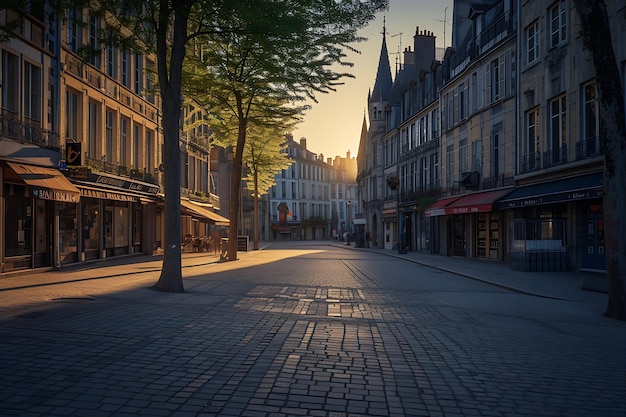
x: 383, y: 82
x: 360, y: 157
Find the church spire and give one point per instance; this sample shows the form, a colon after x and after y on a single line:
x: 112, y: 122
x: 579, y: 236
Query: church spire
x: 360, y: 158
x: 383, y: 83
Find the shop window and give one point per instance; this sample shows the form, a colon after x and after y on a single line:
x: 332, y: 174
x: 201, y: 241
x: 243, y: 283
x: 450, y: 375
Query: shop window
x: 18, y: 220
x: 67, y: 231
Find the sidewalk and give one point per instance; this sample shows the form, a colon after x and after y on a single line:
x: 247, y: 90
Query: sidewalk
x: 565, y: 285
x: 558, y: 285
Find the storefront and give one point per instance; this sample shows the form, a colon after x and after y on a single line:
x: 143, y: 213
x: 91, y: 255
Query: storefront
x: 39, y: 206
x: 199, y: 220
x: 473, y: 228
x: 390, y: 224
x: 557, y: 225
x: 117, y: 215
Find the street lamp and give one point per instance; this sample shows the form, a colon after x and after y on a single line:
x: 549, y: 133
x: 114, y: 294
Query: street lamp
x: 348, y: 204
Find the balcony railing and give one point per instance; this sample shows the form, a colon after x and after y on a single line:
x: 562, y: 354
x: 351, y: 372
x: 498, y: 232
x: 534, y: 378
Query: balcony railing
x: 121, y: 170
x: 493, y: 33
x: 26, y: 132
x: 556, y: 156
x: 589, y: 148
x: 503, y: 180
x: 530, y: 162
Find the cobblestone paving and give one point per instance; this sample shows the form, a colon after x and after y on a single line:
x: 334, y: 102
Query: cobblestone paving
x: 287, y: 347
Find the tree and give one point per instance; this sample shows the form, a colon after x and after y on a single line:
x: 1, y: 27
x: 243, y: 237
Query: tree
x: 264, y: 159
x: 165, y: 28
x: 596, y: 34
x: 270, y: 62
x: 318, y: 29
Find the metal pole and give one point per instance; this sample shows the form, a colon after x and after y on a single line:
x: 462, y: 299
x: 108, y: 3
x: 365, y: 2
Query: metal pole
x: 400, y: 248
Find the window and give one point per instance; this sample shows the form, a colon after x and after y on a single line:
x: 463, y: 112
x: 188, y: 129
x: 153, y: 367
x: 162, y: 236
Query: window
x: 497, y: 154
x: 32, y: 92
x: 94, y: 43
x: 149, y: 83
x: 136, y: 139
x: 149, y: 151
x: 414, y: 181
x: 463, y: 100
x: 138, y: 74
x: 462, y: 156
x: 124, y: 141
x: 473, y: 99
x: 477, y: 155
x: 434, y: 170
x: 108, y: 156
x: 435, y: 123
x: 10, y: 82
x: 557, y: 16
x: 111, y: 57
x: 558, y: 131
x: 125, y: 69
x: 71, y: 107
x: 530, y: 159
x: 532, y: 43
x: 92, y: 132
x: 590, y: 122
x: 450, y: 165
x: 498, y: 74
x: 450, y: 116
x: 74, y: 29
x: 423, y: 180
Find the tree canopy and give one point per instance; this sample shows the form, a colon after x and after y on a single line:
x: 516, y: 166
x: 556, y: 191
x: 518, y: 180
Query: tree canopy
x: 289, y: 51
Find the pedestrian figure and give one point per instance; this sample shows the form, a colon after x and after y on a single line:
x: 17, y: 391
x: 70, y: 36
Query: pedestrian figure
x: 367, y: 239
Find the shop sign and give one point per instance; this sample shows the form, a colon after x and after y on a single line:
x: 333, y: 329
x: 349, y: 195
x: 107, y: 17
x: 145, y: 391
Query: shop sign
x: 106, y: 195
x: 55, y: 195
x: 73, y: 153
x: 78, y: 173
x: 127, y: 185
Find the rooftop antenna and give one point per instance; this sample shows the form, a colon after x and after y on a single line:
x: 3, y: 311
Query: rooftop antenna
x: 399, y: 53
x: 445, y: 22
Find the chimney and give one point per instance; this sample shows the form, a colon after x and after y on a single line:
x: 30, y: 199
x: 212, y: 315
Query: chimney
x: 329, y: 161
x: 348, y: 155
x: 303, y: 142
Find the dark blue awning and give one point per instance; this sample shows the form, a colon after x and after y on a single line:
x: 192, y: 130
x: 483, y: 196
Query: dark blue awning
x: 569, y: 189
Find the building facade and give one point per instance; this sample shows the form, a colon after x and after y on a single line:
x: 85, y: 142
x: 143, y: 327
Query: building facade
x: 312, y: 199
x: 557, y: 202
x: 497, y: 148
x: 81, y: 147
x: 371, y: 169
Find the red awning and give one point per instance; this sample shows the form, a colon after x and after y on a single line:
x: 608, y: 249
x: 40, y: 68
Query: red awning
x: 477, y: 202
x: 438, y: 208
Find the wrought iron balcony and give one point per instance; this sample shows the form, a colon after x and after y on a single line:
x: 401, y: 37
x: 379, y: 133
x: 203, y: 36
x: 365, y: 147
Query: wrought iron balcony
x: 556, y: 156
x: 589, y: 148
x: 27, y: 132
x: 99, y: 165
x: 530, y: 162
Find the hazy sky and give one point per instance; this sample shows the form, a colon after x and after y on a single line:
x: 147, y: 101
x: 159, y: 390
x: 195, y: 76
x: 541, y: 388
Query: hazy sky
x: 333, y: 126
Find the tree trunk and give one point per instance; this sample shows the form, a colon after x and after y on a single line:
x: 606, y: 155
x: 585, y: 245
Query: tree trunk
x: 596, y: 35
x: 171, y: 278
x: 235, y: 187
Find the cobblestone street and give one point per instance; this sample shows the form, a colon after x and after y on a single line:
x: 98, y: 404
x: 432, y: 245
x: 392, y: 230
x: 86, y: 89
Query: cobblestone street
x: 305, y: 329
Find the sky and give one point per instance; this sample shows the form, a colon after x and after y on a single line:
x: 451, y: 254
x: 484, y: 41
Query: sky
x: 332, y: 126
